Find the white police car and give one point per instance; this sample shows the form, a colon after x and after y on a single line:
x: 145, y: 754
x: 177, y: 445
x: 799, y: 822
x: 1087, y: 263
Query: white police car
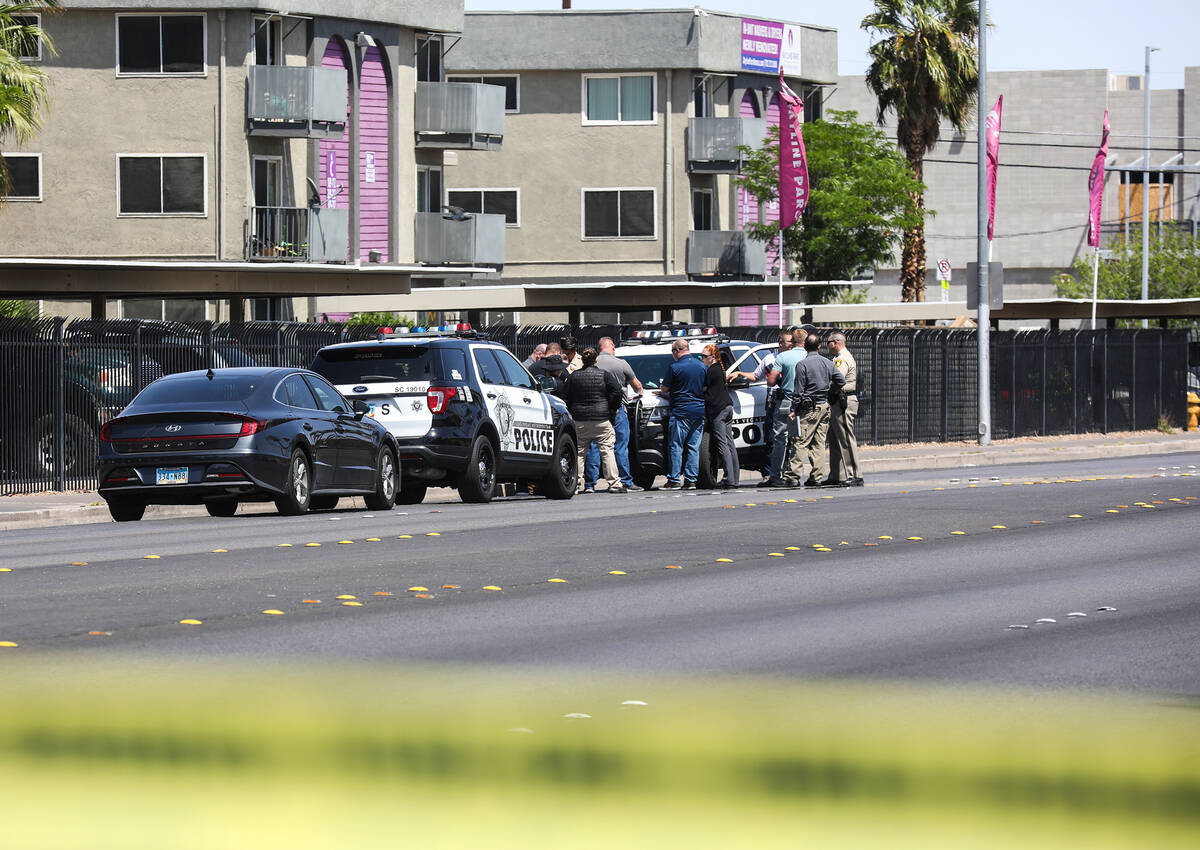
x: 648, y: 352
x: 465, y: 413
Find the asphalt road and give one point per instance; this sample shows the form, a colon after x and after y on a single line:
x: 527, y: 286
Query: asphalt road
x: 929, y: 577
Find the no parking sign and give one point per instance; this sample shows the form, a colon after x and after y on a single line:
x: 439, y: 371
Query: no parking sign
x: 943, y: 274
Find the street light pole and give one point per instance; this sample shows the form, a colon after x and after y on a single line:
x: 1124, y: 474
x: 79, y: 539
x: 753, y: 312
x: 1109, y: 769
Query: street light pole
x: 983, y: 319
x: 1146, y: 185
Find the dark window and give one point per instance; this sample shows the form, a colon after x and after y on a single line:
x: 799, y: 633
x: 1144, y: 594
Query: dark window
x: 199, y: 389
x: 489, y: 370
x: 453, y: 365
x: 365, y: 364
x: 24, y: 176
x: 651, y: 368
x: 492, y: 201
x: 618, y: 213
x: 327, y: 397
x: 162, y: 184
x: 702, y: 210
x: 160, y: 44
x: 28, y: 48
x: 510, y: 85
x: 429, y: 59
x: 294, y: 392
x: 267, y: 40
x: 514, y: 373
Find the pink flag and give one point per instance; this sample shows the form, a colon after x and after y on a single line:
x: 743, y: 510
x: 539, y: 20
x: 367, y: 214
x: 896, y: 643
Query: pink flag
x: 793, y: 161
x: 1096, y: 187
x: 993, y: 160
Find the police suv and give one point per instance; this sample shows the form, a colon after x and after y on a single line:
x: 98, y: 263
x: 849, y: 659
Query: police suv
x: 465, y: 413
x: 648, y: 351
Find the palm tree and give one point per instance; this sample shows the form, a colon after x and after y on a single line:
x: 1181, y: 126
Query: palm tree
x: 22, y: 84
x: 925, y: 67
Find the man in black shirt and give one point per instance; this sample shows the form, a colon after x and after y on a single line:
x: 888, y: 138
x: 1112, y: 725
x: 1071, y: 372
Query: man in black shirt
x: 593, y: 397
x: 816, y: 380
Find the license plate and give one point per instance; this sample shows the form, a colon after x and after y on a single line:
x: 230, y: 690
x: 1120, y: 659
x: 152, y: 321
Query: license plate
x: 172, y: 475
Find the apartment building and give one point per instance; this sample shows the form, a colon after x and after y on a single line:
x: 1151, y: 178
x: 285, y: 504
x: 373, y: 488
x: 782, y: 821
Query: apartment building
x: 621, y: 139
x: 227, y: 160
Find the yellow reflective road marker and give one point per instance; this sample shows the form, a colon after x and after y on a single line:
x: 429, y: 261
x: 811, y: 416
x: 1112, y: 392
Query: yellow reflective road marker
x: 793, y: 548
x: 556, y: 580
x: 673, y: 567
x: 8, y: 643
x: 151, y: 557
x: 724, y: 560
x: 824, y: 549
x: 73, y: 564
x: 283, y: 546
x: 274, y: 612
x: 916, y: 538
x: 312, y: 544
x: 818, y: 545
x: 433, y: 534
x: 9, y: 569
x: 344, y: 542
x: 191, y: 622
x: 776, y: 554
x: 1112, y: 511
x: 219, y: 551
x: 1037, y: 522
x: 885, y: 537
x: 422, y: 596
x: 418, y: 589
x: 1174, y: 500
x: 1075, y: 516
x: 353, y: 604
x: 617, y: 573
x: 404, y: 537
x: 383, y: 593
x: 451, y: 587
x: 100, y: 634
x: 492, y: 587
x: 939, y: 488
x: 844, y: 543
x: 347, y: 596
x: 310, y: 601
x: 1002, y: 527
x: 374, y: 540
x: 791, y: 501
x: 958, y: 532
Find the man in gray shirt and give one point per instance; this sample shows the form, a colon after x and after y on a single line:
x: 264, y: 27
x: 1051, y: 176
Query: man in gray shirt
x: 816, y: 380
x: 632, y: 388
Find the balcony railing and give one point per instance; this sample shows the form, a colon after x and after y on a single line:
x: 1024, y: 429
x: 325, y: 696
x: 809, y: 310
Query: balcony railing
x: 725, y: 253
x: 298, y: 234
x: 476, y: 239
x: 712, y: 143
x: 296, y: 102
x: 468, y: 116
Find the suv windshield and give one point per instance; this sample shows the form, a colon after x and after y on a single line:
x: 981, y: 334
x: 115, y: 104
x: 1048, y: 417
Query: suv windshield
x: 364, y: 364
x: 650, y: 368
x: 199, y: 388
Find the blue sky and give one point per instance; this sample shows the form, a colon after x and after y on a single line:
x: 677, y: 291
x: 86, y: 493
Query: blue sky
x: 1026, y: 34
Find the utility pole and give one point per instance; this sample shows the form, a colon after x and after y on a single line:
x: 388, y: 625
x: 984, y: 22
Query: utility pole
x: 983, y: 319
x: 1146, y: 185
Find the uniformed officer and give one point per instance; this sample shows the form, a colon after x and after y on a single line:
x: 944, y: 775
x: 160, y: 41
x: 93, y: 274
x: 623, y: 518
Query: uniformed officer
x: 843, y: 447
x: 773, y: 394
x: 816, y: 376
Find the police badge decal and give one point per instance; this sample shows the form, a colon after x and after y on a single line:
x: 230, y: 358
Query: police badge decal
x: 504, y: 418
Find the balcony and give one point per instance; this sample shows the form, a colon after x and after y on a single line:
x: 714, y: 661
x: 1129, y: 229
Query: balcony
x: 298, y: 234
x: 725, y: 253
x: 301, y: 103
x: 476, y: 239
x: 466, y: 116
x: 712, y: 143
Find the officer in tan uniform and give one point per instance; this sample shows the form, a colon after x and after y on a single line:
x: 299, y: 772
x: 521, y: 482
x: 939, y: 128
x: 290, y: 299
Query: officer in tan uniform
x: 843, y: 448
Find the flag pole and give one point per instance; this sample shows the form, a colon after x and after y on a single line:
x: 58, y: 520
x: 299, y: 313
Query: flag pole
x: 1095, y: 282
x: 781, y: 322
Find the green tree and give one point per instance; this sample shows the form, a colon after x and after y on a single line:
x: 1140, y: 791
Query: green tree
x: 861, y: 194
x: 925, y: 68
x: 1174, y: 270
x: 15, y: 308
x: 379, y: 320
x: 23, y: 85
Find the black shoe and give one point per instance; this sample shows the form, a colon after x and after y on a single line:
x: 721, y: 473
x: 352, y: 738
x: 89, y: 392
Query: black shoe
x: 835, y: 482
x: 780, y: 485
x: 633, y: 488
x: 728, y: 485
x: 689, y: 485
x: 854, y: 482
x: 812, y: 482
x: 671, y: 485
x: 766, y: 482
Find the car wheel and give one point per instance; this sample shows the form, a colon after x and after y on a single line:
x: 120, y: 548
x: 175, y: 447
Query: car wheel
x: 126, y: 509
x: 386, y: 476
x: 412, y: 493
x: 80, y: 447
x: 710, y: 464
x: 297, y: 486
x: 221, y: 507
x: 322, y: 503
x: 478, y: 481
x: 560, y: 482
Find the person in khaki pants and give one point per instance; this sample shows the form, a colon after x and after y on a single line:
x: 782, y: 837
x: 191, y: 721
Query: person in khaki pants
x: 593, y: 396
x: 843, y: 447
x: 816, y: 380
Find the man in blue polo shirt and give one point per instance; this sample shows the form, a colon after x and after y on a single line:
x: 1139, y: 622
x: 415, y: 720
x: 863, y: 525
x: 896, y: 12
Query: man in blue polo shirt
x: 683, y: 386
x: 783, y: 375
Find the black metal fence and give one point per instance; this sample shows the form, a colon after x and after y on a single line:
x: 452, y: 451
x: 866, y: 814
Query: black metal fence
x: 62, y: 380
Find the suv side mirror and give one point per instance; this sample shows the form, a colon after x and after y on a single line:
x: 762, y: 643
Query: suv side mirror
x: 361, y: 408
x: 546, y: 384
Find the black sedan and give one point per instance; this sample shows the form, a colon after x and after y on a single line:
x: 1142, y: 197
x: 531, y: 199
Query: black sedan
x: 226, y: 436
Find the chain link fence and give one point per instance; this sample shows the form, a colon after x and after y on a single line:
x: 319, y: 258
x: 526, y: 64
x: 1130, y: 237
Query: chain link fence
x: 62, y: 380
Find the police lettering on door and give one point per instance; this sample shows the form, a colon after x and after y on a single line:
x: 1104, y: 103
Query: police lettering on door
x: 529, y: 438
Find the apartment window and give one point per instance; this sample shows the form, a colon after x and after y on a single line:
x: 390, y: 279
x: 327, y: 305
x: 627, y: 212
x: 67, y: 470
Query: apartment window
x: 28, y: 49
x: 24, y: 176
x: 618, y: 99
x: 813, y: 106
x: 618, y: 214
x: 429, y: 59
x: 429, y: 189
x: 702, y: 97
x: 268, y: 41
x: 493, y: 201
x: 160, y: 44
x: 510, y: 84
x: 702, y: 209
x: 150, y: 184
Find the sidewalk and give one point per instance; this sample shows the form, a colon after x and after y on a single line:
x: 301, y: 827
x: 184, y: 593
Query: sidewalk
x: 38, y: 510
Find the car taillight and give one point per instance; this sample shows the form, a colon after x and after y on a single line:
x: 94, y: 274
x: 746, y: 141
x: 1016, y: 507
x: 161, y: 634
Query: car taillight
x: 251, y: 426
x: 106, y: 432
x: 438, y: 397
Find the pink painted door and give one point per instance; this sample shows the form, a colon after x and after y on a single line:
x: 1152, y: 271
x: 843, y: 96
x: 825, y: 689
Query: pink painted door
x: 334, y: 163
x: 373, y: 212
